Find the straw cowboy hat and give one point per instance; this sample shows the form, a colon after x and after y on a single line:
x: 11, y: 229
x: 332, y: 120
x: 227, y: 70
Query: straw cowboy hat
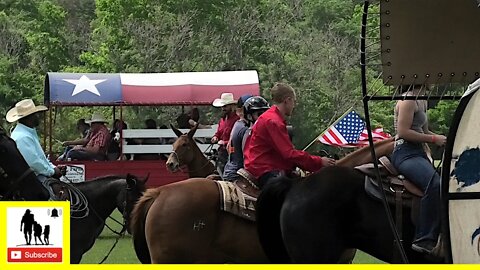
x: 96, y: 118
x: 23, y: 108
x: 225, y: 99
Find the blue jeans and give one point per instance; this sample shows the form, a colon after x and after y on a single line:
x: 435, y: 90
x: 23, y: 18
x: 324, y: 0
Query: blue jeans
x: 267, y: 177
x: 79, y: 154
x: 411, y: 161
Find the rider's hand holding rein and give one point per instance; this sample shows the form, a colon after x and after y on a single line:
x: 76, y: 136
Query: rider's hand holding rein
x: 59, y: 171
x: 326, y: 161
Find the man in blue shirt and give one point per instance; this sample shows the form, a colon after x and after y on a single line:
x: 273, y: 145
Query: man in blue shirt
x: 25, y: 135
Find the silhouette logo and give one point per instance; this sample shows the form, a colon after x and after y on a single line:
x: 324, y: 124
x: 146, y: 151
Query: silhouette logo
x: 34, y: 234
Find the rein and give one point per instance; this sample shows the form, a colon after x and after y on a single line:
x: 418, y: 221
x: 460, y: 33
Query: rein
x: 119, y: 234
x: 18, y: 181
x: 122, y: 232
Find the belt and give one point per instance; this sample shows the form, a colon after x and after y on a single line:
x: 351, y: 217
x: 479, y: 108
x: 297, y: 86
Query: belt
x: 399, y: 142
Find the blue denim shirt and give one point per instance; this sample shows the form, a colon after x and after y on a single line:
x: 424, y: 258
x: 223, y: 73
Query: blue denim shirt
x: 29, y: 146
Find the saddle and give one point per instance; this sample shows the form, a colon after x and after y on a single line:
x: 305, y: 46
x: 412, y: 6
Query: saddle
x: 60, y: 190
x: 239, y: 197
x: 392, y: 181
x: 399, y: 191
x: 246, y: 183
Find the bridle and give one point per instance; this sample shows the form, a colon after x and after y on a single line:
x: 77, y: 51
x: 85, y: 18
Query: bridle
x: 14, y: 187
x: 196, y: 170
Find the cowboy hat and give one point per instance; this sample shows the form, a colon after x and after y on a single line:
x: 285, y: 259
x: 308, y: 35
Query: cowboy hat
x: 225, y: 99
x: 96, y: 118
x: 23, y: 108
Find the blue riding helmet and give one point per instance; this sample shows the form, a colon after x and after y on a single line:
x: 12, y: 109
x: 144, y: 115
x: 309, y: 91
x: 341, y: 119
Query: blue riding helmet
x: 242, y: 100
x: 254, y: 104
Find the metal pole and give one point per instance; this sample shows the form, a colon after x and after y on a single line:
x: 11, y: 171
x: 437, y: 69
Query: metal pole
x: 369, y: 131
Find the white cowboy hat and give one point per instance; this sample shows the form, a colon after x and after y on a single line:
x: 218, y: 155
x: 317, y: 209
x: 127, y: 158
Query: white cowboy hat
x: 225, y: 99
x: 96, y: 118
x: 23, y: 108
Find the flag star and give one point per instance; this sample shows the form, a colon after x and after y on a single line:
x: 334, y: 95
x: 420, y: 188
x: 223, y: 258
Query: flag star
x: 84, y: 84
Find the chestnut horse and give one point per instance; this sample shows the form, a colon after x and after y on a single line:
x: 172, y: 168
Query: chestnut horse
x: 182, y: 222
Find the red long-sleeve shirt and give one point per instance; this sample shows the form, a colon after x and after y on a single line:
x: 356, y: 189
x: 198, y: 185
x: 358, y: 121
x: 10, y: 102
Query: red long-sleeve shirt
x: 269, y: 148
x: 225, y: 127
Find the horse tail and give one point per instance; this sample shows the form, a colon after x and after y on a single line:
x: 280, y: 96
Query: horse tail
x: 137, y: 225
x: 268, y: 208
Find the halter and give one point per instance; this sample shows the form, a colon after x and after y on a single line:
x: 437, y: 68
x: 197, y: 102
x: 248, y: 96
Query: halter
x: 197, y: 170
x: 16, y: 183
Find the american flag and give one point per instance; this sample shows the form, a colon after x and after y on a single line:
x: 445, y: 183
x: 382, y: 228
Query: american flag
x: 378, y: 135
x: 345, y: 131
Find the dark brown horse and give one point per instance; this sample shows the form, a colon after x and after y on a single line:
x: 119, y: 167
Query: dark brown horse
x: 17, y: 180
x: 101, y: 197
x: 314, y: 220
x: 182, y: 222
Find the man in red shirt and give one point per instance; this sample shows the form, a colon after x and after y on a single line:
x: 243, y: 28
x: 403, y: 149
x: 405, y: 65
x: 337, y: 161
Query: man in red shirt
x: 228, y: 119
x: 97, y: 145
x: 268, y: 151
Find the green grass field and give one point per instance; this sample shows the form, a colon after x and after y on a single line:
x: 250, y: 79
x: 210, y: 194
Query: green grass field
x: 123, y: 253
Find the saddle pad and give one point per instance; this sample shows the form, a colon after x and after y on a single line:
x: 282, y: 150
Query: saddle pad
x: 234, y: 201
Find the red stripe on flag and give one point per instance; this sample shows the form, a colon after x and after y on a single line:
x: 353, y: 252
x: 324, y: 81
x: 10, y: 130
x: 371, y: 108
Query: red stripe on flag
x: 183, y: 94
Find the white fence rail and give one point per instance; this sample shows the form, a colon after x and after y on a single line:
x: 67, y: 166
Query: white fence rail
x: 202, y: 136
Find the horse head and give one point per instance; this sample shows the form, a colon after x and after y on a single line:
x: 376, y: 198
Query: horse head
x: 17, y: 180
x: 184, y: 149
x: 135, y: 189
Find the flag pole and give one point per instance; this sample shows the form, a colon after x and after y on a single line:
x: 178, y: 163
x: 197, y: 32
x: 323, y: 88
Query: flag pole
x: 334, y: 123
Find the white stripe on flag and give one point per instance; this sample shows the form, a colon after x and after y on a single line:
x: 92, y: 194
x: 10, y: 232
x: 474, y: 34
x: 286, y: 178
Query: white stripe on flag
x: 334, y: 137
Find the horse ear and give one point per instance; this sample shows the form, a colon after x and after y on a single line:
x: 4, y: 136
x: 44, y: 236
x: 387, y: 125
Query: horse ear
x: 176, y: 131
x: 131, y: 180
x: 146, y: 178
x: 192, y: 131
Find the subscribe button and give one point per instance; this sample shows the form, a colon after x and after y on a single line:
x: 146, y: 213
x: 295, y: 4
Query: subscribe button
x: 34, y: 255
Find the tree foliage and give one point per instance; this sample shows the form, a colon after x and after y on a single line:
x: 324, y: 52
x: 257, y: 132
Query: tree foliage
x: 311, y: 44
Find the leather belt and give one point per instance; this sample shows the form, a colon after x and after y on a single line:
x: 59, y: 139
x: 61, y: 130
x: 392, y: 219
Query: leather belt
x: 399, y: 142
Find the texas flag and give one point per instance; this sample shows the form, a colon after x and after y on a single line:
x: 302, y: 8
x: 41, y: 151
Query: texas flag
x: 147, y: 88
x: 74, y: 88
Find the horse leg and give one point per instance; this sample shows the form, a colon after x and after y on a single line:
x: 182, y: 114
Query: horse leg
x: 347, y: 256
x: 83, y: 233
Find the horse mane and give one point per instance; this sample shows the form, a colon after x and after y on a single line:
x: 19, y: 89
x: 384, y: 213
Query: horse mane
x: 362, y: 155
x: 108, y: 177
